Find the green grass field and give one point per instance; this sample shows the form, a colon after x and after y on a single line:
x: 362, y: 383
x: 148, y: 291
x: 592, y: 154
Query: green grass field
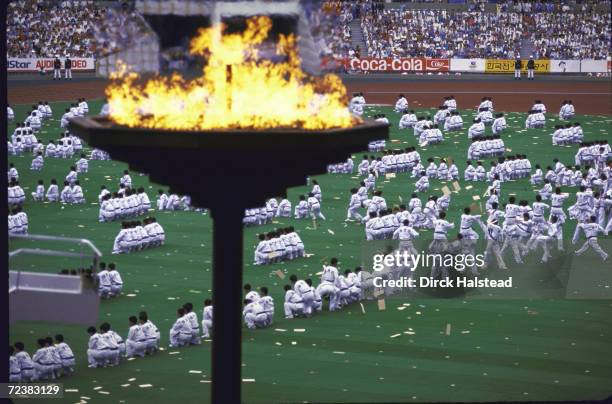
x: 498, y: 349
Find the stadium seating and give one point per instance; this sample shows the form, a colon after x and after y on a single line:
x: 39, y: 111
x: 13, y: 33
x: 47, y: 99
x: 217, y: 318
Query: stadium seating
x: 548, y: 30
x: 571, y: 36
x: 46, y: 29
x: 433, y: 29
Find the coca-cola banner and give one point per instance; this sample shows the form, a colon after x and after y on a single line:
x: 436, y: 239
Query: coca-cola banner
x: 35, y: 64
x: 397, y: 65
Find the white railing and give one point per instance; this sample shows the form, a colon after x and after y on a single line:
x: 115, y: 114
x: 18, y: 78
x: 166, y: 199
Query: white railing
x: 46, y: 282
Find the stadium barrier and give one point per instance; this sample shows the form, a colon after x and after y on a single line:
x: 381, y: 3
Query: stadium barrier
x: 20, y: 65
x: 397, y: 65
x: 565, y: 66
x: 496, y: 66
x: 595, y: 66
x: 507, y: 66
x: 468, y: 65
x: 376, y: 65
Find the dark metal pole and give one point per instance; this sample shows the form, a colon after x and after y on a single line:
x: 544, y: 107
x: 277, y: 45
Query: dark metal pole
x: 227, y: 304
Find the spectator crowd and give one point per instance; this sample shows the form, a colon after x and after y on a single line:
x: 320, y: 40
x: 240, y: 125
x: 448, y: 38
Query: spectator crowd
x: 563, y: 30
x: 74, y: 28
x: 330, y: 28
x: 41, y: 28
x: 549, y: 30
x: 571, y: 36
x: 441, y: 34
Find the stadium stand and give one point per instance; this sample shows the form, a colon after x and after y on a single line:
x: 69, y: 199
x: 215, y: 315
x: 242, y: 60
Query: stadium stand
x: 365, y: 28
x: 49, y: 28
x: 437, y: 33
x: 571, y: 36
x: 546, y: 29
x: 42, y: 28
x: 334, y: 25
x: 331, y: 29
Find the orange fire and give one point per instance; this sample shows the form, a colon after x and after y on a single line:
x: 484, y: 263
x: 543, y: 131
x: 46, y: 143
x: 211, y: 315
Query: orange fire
x: 236, y: 90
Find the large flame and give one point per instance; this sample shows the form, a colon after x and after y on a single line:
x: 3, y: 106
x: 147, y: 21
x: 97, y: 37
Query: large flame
x: 236, y: 89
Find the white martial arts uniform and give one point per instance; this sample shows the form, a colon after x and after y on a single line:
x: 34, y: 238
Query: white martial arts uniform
x: 476, y: 129
x: 466, y: 226
x: 151, y: 335
x: 207, y: 321
x: 566, y: 112
x: 97, y: 351
x: 267, y: 302
x: 66, y: 357
x: 116, y: 283
x: 26, y: 366
x: 293, y: 305
x: 495, y: 238
x: 422, y: 185
x: 117, y: 339
x: 499, y: 125
x: 180, y: 333
x: 66, y: 119
x: 76, y: 194
x: 327, y: 286
x: 255, y: 316
x: 401, y: 104
x: 407, y: 120
x: 44, y: 364
x: 82, y: 165
x: 284, y: 208
x: 306, y: 294
x: 192, y: 318
x: 405, y: 235
x: 14, y: 371
x: 353, y: 208
x: 314, y: 207
x: 104, y: 283
x: 136, y: 342
x: 590, y: 232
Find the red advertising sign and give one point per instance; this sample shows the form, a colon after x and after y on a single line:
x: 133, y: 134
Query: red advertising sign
x: 437, y: 65
x: 397, y: 65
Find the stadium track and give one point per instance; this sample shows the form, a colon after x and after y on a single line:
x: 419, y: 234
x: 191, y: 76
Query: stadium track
x: 589, y: 95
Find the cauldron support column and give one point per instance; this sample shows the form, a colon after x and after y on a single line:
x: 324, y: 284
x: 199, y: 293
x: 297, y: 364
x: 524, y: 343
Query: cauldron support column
x: 227, y: 303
